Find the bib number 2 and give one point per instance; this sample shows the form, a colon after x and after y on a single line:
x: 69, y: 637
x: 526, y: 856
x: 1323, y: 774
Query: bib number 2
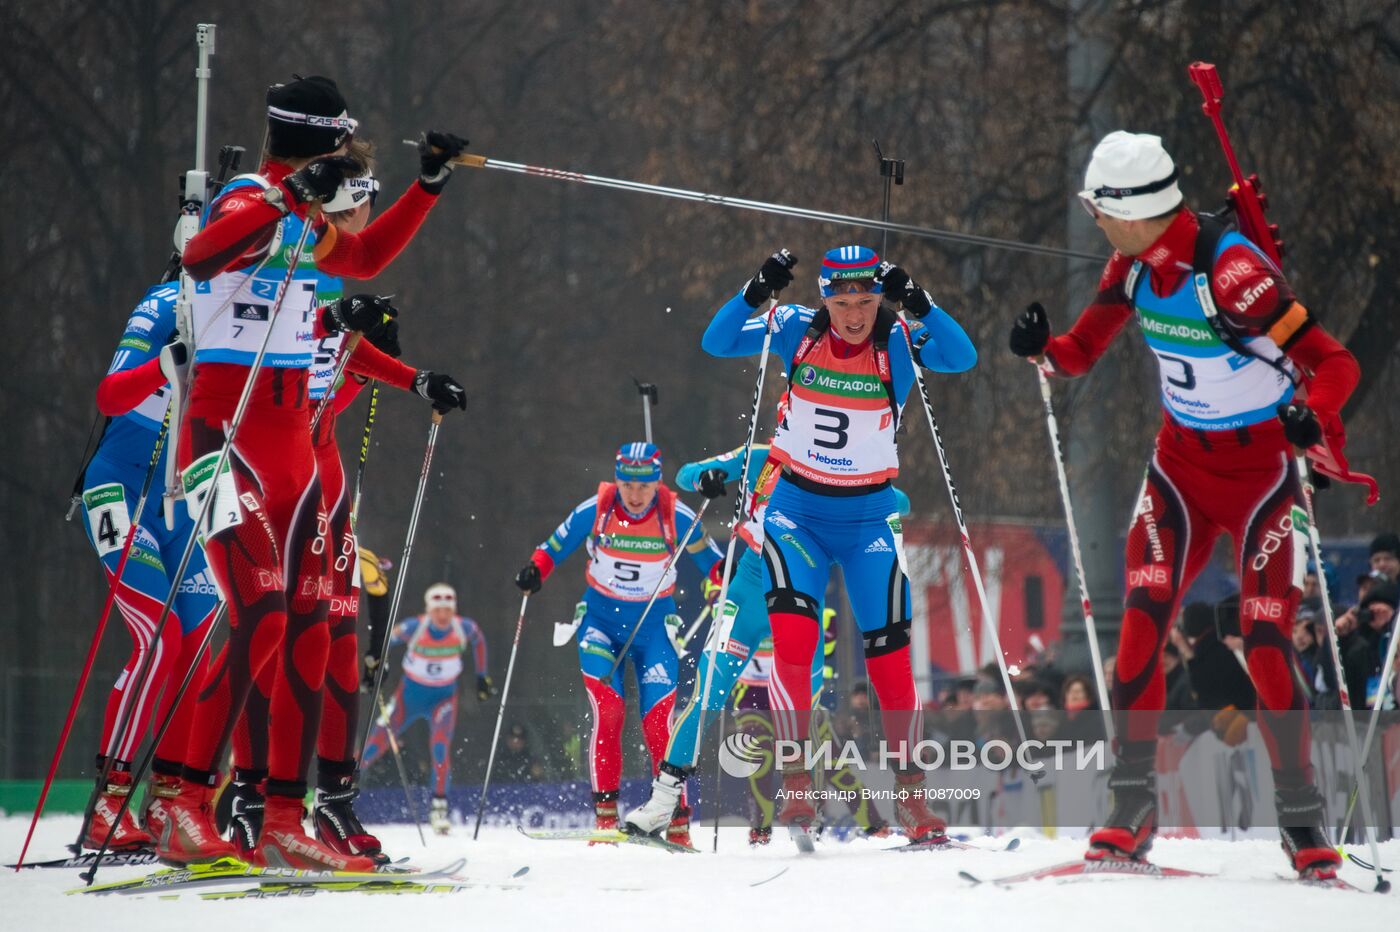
x: 199, y: 482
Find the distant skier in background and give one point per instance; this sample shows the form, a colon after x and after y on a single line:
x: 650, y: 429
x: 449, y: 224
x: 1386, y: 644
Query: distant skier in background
x: 433, y: 643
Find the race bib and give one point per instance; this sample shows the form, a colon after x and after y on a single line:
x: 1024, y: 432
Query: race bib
x: 897, y: 529
x: 199, y: 482
x: 723, y: 627
x: 107, y: 517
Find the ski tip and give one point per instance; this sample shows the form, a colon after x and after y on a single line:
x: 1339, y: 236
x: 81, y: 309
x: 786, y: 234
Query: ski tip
x: 1013, y: 844
x: 969, y: 878
x: 522, y: 872
x: 767, y: 879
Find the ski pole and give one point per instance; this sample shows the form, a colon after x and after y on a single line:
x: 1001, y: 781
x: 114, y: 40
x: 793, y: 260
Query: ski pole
x: 403, y: 771
x: 712, y: 645
x: 403, y: 570
x: 648, y: 392
x: 695, y: 625
x: 1054, y: 428
x: 719, y: 200
x: 364, y: 454
x: 656, y: 590
x: 1375, y: 718
x: 230, y: 433
x: 500, y: 716
x: 157, y: 736
x: 1300, y: 463
x: 988, y: 624
x: 97, y: 641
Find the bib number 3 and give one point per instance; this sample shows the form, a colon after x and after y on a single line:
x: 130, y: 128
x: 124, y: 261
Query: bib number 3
x: 838, y: 429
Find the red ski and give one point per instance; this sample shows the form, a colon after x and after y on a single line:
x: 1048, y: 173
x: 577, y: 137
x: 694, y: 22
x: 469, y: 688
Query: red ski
x: 1072, y: 870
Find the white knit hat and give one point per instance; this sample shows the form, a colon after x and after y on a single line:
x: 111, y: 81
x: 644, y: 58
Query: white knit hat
x: 1130, y: 177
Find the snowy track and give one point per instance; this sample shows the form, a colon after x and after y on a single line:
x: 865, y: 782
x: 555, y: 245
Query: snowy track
x: 851, y: 885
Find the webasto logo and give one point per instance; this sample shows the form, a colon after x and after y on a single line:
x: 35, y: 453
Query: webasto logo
x: 829, y: 460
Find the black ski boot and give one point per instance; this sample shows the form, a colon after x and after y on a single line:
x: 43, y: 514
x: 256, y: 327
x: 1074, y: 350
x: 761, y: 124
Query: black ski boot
x: 337, y: 825
x: 239, y: 811
x: 1302, y: 826
x: 1132, y: 824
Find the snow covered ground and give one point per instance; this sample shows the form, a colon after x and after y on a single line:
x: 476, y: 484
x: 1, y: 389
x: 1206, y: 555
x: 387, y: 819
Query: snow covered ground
x: 851, y: 885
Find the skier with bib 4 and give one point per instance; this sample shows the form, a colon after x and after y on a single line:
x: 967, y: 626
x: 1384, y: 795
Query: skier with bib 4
x: 849, y: 370
x: 631, y: 529
x: 135, y: 396
x: 1247, y: 374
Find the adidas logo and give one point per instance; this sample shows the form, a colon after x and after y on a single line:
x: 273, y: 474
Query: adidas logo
x: 879, y: 545
x: 200, y: 583
x: 658, y: 674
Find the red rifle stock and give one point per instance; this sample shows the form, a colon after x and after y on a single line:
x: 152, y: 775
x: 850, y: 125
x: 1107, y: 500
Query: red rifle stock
x: 1245, y: 197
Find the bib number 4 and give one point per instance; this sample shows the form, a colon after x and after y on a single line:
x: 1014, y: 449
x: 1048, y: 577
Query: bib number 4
x: 108, y: 518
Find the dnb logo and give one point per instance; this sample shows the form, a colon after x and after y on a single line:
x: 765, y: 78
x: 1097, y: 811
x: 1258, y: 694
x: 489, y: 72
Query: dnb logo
x: 741, y: 755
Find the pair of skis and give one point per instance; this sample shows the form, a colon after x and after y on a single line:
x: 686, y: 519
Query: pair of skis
x: 264, y: 882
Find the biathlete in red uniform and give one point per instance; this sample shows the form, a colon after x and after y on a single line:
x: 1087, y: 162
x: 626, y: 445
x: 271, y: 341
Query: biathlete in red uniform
x: 1247, y: 374
x: 264, y: 540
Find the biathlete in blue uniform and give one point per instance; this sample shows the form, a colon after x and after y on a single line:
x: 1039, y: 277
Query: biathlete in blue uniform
x: 433, y: 643
x: 849, y: 372
x: 631, y: 528
x: 134, y: 395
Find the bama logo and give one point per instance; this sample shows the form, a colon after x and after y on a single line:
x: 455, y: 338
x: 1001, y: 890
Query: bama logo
x: 829, y: 460
x: 1250, y: 295
x: 1150, y: 575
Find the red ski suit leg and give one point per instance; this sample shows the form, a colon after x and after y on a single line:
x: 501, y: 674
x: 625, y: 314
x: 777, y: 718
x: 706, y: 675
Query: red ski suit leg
x: 1199, y: 485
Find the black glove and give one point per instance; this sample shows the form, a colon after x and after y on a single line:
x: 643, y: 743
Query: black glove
x: 485, y: 689
x: 368, y: 669
x: 435, y: 154
x: 442, y: 390
x: 896, y: 285
x: 775, y: 275
x: 386, y: 339
x: 1300, y: 425
x: 712, y: 483
x: 528, y: 579
x: 1031, y: 332
x: 370, y: 315
x: 320, y: 180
